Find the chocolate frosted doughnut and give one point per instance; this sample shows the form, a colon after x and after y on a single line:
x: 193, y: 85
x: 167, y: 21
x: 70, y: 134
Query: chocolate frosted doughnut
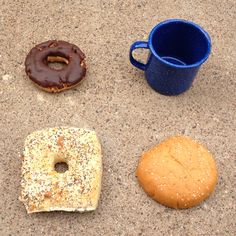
x: 53, y: 80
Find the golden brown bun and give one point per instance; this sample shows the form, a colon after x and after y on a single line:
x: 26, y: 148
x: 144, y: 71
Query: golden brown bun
x: 179, y: 172
x: 77, y: 189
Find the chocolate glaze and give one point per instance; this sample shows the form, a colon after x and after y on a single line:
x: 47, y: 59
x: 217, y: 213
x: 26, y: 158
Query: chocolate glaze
x: 36, y: 65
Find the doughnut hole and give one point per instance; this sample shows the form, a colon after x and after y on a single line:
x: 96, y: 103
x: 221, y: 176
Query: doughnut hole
x: 60, y: 165
x: 57, y: 62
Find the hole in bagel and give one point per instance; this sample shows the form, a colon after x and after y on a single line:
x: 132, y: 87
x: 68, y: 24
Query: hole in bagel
x: 61, y: 167
x: 57, y: 62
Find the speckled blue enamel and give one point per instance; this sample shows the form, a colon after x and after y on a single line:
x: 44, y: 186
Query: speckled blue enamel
x: 177, y: 50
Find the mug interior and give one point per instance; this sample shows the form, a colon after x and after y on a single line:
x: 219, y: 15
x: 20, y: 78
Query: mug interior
x: 180, y: 43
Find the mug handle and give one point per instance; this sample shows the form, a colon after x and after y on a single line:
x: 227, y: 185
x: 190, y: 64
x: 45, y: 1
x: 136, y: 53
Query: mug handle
x: 136, y: 45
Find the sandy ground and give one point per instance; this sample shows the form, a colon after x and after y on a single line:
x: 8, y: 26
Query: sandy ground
x: 127, y: 114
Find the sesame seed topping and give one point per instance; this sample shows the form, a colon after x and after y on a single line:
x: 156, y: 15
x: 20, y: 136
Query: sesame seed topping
x: 43, y: 188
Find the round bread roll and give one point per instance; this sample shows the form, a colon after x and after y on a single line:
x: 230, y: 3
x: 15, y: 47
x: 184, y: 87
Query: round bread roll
x: 179, y: 172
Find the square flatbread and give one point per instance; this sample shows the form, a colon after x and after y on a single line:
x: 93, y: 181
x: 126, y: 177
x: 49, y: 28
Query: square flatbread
x: 78, y: 188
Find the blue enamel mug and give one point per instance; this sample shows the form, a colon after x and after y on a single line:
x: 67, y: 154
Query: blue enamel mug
x: 177, y: 49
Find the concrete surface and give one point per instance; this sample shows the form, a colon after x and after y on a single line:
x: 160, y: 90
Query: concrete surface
x: 128, y: 116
